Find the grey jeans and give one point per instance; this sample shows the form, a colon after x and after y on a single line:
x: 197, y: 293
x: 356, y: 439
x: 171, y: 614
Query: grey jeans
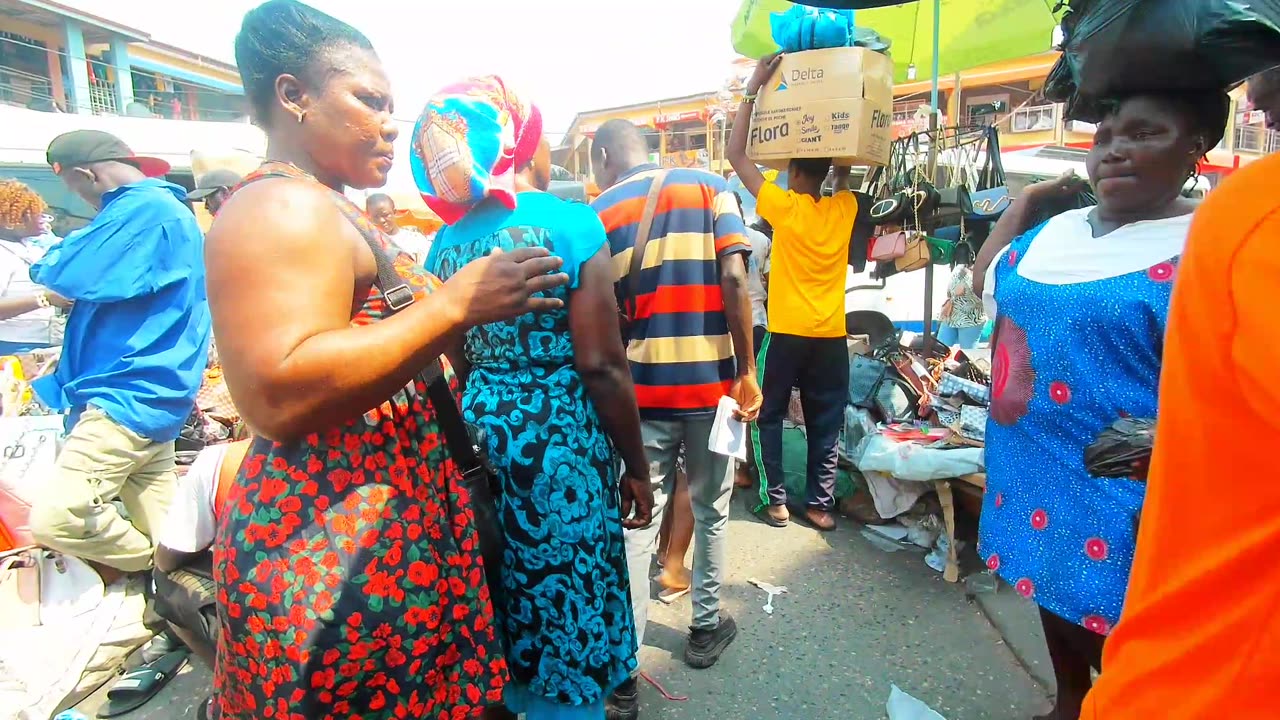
x: 710, y: 491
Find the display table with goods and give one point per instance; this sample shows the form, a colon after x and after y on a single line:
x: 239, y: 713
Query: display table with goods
x: 914, y: 425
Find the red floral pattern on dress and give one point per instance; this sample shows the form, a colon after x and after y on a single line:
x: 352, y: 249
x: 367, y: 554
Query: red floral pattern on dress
x: 1060, y: 392
x: 1096, y: 549
x: 1025, y: 588
x: 349, y: 579
x: 1039, y: 520
x: 1012, y: 377
x: 1097, y: 624
x: 1162, y: 272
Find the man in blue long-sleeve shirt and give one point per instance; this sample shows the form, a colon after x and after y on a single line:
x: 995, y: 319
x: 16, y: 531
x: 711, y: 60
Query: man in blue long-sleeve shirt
x: 133, y: 356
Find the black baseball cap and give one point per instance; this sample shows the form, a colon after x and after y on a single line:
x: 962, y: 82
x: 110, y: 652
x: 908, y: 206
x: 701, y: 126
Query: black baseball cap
x: 84, y: 147
x: 213, y: 181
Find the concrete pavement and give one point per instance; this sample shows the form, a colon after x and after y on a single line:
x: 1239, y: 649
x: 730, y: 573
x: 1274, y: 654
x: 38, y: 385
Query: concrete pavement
x: 856, y: 620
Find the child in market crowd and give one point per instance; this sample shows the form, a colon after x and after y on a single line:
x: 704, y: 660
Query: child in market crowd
x: 805, y: 346
x: 185, y: 592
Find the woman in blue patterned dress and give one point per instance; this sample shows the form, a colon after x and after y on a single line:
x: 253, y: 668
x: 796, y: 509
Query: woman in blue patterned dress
x: 1080, y: 304
x: 550, y: 392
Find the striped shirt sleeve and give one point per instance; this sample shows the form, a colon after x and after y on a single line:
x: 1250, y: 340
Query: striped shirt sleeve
x: 730, y: 229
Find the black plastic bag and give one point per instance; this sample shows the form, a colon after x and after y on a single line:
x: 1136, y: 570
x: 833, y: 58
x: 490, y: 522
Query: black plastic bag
x: 1122, y: 450
x: 1114, y: 47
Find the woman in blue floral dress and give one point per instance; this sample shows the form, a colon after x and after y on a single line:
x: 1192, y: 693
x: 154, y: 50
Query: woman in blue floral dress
x: 552, y: 395
x: 1081, y: 304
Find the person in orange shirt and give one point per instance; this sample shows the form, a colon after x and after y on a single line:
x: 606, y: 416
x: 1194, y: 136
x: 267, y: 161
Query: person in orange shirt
x: 1200, y: 633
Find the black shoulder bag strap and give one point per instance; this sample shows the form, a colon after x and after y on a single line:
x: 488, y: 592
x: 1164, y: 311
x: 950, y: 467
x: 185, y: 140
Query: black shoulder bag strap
x: 397, y: 294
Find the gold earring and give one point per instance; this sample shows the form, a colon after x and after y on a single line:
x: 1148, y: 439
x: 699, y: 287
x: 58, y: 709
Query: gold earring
x: 301, y: 116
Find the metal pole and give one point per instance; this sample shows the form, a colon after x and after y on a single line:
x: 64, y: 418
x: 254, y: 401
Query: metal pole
x: 934, y: 131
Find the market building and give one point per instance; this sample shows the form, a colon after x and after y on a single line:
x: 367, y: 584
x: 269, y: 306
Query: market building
x: 57, y: 58
x: 688, y: 131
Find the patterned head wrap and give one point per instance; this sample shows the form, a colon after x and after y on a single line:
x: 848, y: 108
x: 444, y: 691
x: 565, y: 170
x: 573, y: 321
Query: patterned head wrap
x: 468, y: 144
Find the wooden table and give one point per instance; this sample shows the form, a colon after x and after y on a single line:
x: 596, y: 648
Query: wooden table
x: 947, y: 498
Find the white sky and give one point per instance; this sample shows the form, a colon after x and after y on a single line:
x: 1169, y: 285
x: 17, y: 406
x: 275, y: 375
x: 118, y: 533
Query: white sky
x: 567, y: 56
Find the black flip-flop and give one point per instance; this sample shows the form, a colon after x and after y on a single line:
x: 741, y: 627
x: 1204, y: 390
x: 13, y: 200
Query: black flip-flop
x: 136, y: 687
x: 203, y: 713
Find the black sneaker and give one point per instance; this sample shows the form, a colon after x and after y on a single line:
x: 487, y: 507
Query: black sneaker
x: 706, y: 646
x: 624, y: 703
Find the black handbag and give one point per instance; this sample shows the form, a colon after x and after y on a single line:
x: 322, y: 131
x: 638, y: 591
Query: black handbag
x: 863, y: 229
x: 991, y: 196
x: 465, y: 443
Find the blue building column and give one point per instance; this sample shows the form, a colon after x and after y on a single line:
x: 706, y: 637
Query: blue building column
x: 77, y: 69
x: 124, y: 73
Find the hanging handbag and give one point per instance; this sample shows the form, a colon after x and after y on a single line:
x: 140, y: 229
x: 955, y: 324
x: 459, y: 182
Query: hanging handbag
x: 916, y: 255
x: 953, y: 204
x: 991, y: 197
x: 863, y: 230
x: 890, y: 246
x: 626, y: 308
x: 466, y: 445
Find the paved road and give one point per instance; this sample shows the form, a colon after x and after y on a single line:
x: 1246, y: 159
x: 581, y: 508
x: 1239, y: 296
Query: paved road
x: 857, y: 620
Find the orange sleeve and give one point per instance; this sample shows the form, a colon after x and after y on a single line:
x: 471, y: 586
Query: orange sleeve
x: 1255, y: 348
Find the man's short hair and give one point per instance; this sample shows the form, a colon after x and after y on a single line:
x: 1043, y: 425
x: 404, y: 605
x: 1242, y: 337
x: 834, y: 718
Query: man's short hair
x: 812, y: 167
x: 618, y: 137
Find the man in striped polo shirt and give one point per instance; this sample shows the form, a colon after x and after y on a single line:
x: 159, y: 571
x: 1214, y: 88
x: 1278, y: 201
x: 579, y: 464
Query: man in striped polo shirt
x: 689, y: 345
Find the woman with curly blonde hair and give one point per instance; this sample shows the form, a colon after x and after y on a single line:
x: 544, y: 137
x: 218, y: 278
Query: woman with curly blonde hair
x: 27, y: 311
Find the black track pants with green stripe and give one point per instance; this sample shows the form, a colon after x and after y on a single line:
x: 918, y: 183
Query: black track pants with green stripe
x: 819, y: 367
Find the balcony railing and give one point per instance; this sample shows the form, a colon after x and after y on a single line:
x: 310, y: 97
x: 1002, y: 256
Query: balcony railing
x: 1256, y: 139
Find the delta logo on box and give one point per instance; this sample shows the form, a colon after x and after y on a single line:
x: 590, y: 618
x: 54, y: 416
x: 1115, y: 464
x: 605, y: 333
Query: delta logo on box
x: 782, y: 85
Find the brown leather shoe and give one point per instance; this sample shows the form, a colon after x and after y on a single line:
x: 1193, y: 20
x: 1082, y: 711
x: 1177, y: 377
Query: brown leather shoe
x: 823, y: 520
x: 775, y: 515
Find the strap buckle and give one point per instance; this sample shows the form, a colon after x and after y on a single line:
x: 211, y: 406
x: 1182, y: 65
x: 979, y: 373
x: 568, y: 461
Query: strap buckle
x: 398, y: 298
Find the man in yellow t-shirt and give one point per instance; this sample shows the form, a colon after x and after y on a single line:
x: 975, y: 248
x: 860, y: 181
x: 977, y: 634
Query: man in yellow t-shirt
x: 805, y: 346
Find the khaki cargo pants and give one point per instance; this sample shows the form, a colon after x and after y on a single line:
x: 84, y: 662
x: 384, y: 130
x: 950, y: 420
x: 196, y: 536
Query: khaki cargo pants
x: 102, y: 460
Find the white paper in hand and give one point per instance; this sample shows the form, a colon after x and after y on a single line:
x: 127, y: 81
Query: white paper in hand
x: 728, y: 434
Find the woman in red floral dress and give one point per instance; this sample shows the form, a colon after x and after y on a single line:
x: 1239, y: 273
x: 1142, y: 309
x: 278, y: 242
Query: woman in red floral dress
x: 350, y: 584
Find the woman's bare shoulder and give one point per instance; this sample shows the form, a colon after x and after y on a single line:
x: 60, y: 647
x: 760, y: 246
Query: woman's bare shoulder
x: 275, y: 212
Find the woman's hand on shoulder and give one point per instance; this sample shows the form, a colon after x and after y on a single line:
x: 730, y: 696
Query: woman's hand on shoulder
x: 505, y: 285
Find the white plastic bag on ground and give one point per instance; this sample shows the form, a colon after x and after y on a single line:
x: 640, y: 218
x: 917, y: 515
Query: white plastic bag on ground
x: 902, y: 706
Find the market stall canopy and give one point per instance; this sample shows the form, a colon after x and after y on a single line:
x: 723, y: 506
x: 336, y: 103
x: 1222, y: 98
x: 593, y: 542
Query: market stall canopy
x: 972, y: 32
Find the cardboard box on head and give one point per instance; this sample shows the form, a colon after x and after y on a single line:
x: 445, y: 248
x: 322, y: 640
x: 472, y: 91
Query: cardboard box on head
x: 835, y: 103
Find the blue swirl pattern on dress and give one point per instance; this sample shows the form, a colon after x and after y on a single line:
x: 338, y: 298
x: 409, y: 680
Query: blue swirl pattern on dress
x: 566, y: 610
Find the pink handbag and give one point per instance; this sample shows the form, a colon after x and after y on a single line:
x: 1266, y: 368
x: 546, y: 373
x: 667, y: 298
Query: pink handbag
x: 889, y: 247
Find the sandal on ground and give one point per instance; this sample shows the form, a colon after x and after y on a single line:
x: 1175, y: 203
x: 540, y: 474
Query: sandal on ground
x: 136, y: 687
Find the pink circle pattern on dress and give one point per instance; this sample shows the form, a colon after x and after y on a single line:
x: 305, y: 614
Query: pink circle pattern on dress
x: 1013, y: 258
x: 1025, y: 588
x: 993, y: 562
x: 1096, y: 549
x: 1060, y: 392
x: 1162, y: 272
x: 1039, y: 519
x: 999, y: 499
x: 1096, y: 623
